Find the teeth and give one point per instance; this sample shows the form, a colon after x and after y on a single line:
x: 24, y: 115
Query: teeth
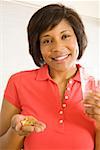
x: 61, y: 57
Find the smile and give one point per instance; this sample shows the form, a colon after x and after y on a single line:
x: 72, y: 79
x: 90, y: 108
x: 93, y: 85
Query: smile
x: 61, y: 58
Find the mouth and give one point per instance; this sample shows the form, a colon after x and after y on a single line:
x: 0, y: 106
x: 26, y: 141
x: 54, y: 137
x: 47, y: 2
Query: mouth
x: 61, y: 58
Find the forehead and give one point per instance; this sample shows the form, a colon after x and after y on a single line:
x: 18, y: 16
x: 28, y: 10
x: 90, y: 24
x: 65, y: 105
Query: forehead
x: 63, y: 25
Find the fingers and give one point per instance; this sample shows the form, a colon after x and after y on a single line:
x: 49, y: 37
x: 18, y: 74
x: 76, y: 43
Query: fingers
x: 93, y: 112
x: 26, y: 130
x: 24, y: 125
x: 15, y: 122
x: 37, y: 127
x: 28, y: 121
x: 92, y: 97
x: 92, y: 105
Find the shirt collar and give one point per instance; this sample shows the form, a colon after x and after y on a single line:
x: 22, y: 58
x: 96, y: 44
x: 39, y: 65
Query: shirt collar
x: 43, y: 74
x: 77, y: 76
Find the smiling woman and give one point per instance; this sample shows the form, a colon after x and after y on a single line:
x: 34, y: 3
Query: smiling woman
x: 59, y: 47
x: 43, y: 108
x: 54, y: 18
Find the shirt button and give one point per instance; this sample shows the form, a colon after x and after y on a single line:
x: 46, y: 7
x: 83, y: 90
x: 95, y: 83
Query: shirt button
x: 68, y: 89
x: 66, y: 97
x: 61, y: 112
x: 71, y: 81
x: 64, y: 105
x: 61, y: 121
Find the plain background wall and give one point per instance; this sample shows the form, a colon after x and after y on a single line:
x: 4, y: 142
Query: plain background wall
x: 14, y: 55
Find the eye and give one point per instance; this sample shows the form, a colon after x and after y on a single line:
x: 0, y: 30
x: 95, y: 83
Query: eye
x: 46, y: 41
x: 65, y: 36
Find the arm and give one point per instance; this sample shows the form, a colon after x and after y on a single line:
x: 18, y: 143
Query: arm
x: 97, y: 142
x: 97, y: 138
x: 13, y: 131
x: 92, y: 108
x: 9, y: 139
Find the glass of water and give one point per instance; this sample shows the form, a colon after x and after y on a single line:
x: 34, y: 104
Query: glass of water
x: 88, y: 83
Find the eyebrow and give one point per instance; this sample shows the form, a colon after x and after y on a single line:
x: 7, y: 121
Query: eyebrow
x: 65, y: 31
x: 47, y: 35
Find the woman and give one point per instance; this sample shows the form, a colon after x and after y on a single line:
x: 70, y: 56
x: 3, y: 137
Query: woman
x: 43, y: 108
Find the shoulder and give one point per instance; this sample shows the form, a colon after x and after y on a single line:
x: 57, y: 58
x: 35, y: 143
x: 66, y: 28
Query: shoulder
x: 22, y: 79
x: 31, y: 74
x: 24, y: 75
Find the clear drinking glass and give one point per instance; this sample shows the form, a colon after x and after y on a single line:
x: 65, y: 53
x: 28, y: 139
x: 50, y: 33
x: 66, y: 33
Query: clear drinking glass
x: 88, y: 83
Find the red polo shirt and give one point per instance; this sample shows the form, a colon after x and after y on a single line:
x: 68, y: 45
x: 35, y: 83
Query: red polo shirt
x: 68, y: 128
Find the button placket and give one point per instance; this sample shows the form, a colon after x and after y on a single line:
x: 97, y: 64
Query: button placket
x: 68, y: 89
x: 61, y: 116
x: 67, y: 95
x: 61, y: 113
x: 69, y: 85
x: 64, y: 104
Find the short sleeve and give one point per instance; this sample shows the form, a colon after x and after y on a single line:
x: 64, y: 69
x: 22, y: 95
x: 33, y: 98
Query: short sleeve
x: 12, y: 90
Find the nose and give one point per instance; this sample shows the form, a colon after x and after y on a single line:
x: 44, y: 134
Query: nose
x: 58, y: 46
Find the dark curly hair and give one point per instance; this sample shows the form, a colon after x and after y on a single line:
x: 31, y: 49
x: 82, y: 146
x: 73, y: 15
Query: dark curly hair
x: 48, y: 17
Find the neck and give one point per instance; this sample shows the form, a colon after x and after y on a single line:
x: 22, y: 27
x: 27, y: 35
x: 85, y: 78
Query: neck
x: 61, y: 76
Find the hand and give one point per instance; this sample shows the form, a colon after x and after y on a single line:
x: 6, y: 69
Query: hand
x: 24, y: 125
x: 92, y: 106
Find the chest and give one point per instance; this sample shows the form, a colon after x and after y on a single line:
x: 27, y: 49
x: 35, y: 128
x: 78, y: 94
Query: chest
x: 46, y: 98
x: 62, y: 89
x: 64, y: 119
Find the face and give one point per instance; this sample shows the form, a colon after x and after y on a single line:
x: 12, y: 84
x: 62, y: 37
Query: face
x: 59, y: 47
